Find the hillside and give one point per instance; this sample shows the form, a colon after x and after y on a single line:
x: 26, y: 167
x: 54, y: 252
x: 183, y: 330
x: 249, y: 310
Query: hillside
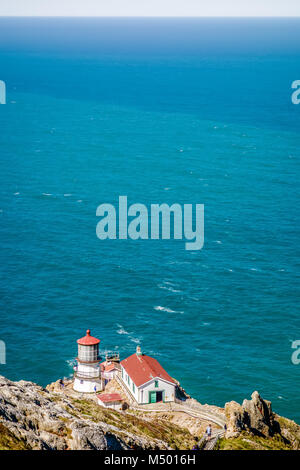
x: 32, y: 417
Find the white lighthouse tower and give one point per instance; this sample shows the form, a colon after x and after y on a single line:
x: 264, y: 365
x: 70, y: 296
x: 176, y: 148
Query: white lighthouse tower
x: 88, y: 372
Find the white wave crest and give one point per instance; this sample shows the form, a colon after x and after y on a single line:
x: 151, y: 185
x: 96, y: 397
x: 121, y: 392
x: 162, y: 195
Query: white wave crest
x: 159, y: 308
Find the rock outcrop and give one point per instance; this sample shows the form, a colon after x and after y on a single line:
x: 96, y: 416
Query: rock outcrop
x: 235, y: 417
x: 255, y: 416
x: 40, y: 419
x: 57, y: 418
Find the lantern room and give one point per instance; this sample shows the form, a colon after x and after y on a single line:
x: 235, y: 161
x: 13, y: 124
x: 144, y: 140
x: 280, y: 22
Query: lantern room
x: 88, y: 348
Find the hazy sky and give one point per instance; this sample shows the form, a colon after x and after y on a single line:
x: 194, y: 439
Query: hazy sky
x: 150, y: 7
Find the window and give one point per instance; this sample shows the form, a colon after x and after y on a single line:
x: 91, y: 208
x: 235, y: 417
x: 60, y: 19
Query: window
x: 156, y: 383
x: 88, y: 353
x: 133, y: 387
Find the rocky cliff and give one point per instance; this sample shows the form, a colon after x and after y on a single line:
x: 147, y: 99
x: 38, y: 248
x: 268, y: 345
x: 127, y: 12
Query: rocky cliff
x: 32, y: 417
x: 253, y: 425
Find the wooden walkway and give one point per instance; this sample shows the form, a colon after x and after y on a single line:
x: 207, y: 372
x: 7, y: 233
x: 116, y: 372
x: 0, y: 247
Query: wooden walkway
x: 211, y: 444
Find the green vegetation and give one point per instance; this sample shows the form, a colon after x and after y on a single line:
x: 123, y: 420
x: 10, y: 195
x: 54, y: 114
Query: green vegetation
x: 138, y: 428
x: 9, y: 442
x: 292, y: 430
x: 246, y: 441
x: 174, y: 436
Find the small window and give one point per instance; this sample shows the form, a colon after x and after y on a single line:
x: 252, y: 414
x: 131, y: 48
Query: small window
x: 156, y: 383
x: 133, y: 387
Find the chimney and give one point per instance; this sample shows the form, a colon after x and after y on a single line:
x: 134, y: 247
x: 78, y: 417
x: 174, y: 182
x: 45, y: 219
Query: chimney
x: 138, y: 351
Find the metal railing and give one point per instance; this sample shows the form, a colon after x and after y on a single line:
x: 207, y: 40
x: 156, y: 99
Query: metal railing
x: 112, y: 356
x: 125, y: 388
x: 86, y: 376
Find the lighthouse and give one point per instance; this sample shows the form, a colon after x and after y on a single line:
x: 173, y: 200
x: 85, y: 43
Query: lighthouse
x: 87, y: 372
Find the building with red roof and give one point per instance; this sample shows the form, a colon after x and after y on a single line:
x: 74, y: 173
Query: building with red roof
x: 110, y: 400
x: 109, y: 370
x: 146, y: 380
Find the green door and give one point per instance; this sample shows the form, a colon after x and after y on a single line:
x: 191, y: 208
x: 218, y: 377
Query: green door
x: 152, y: 397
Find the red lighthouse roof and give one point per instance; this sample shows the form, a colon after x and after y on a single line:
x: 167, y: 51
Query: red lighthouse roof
x: 88, y: 340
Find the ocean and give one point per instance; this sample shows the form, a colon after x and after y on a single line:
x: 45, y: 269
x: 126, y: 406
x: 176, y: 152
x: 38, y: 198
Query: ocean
x: 162, y: 111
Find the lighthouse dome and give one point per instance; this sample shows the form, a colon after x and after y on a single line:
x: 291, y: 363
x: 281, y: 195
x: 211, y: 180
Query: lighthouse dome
x: 88, y: 340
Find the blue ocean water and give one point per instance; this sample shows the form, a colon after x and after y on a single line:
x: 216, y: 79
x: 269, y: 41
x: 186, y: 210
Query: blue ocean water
x: 165, y: 110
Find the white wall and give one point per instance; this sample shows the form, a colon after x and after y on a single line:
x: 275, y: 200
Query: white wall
x: 141, y: 394
x: 91, y: 370
x: 86, y: 386
x: 166, y: 387
x: 115, y: 405
x: 134, y: 390
x: 109, y: 375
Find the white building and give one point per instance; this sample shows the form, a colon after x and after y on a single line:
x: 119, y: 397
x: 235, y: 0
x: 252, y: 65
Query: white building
x: 146, y: 380
x: 109, y: 370
x: 110, y: 400
x: 88, y: 372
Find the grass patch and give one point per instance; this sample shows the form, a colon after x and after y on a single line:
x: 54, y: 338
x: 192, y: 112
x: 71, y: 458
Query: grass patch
x: 160, y: 429
x: 9, y: 442
x: 248, y: 442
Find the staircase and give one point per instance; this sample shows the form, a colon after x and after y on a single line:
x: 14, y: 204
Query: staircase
x: 131, y: 400
x: 211, y: 444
